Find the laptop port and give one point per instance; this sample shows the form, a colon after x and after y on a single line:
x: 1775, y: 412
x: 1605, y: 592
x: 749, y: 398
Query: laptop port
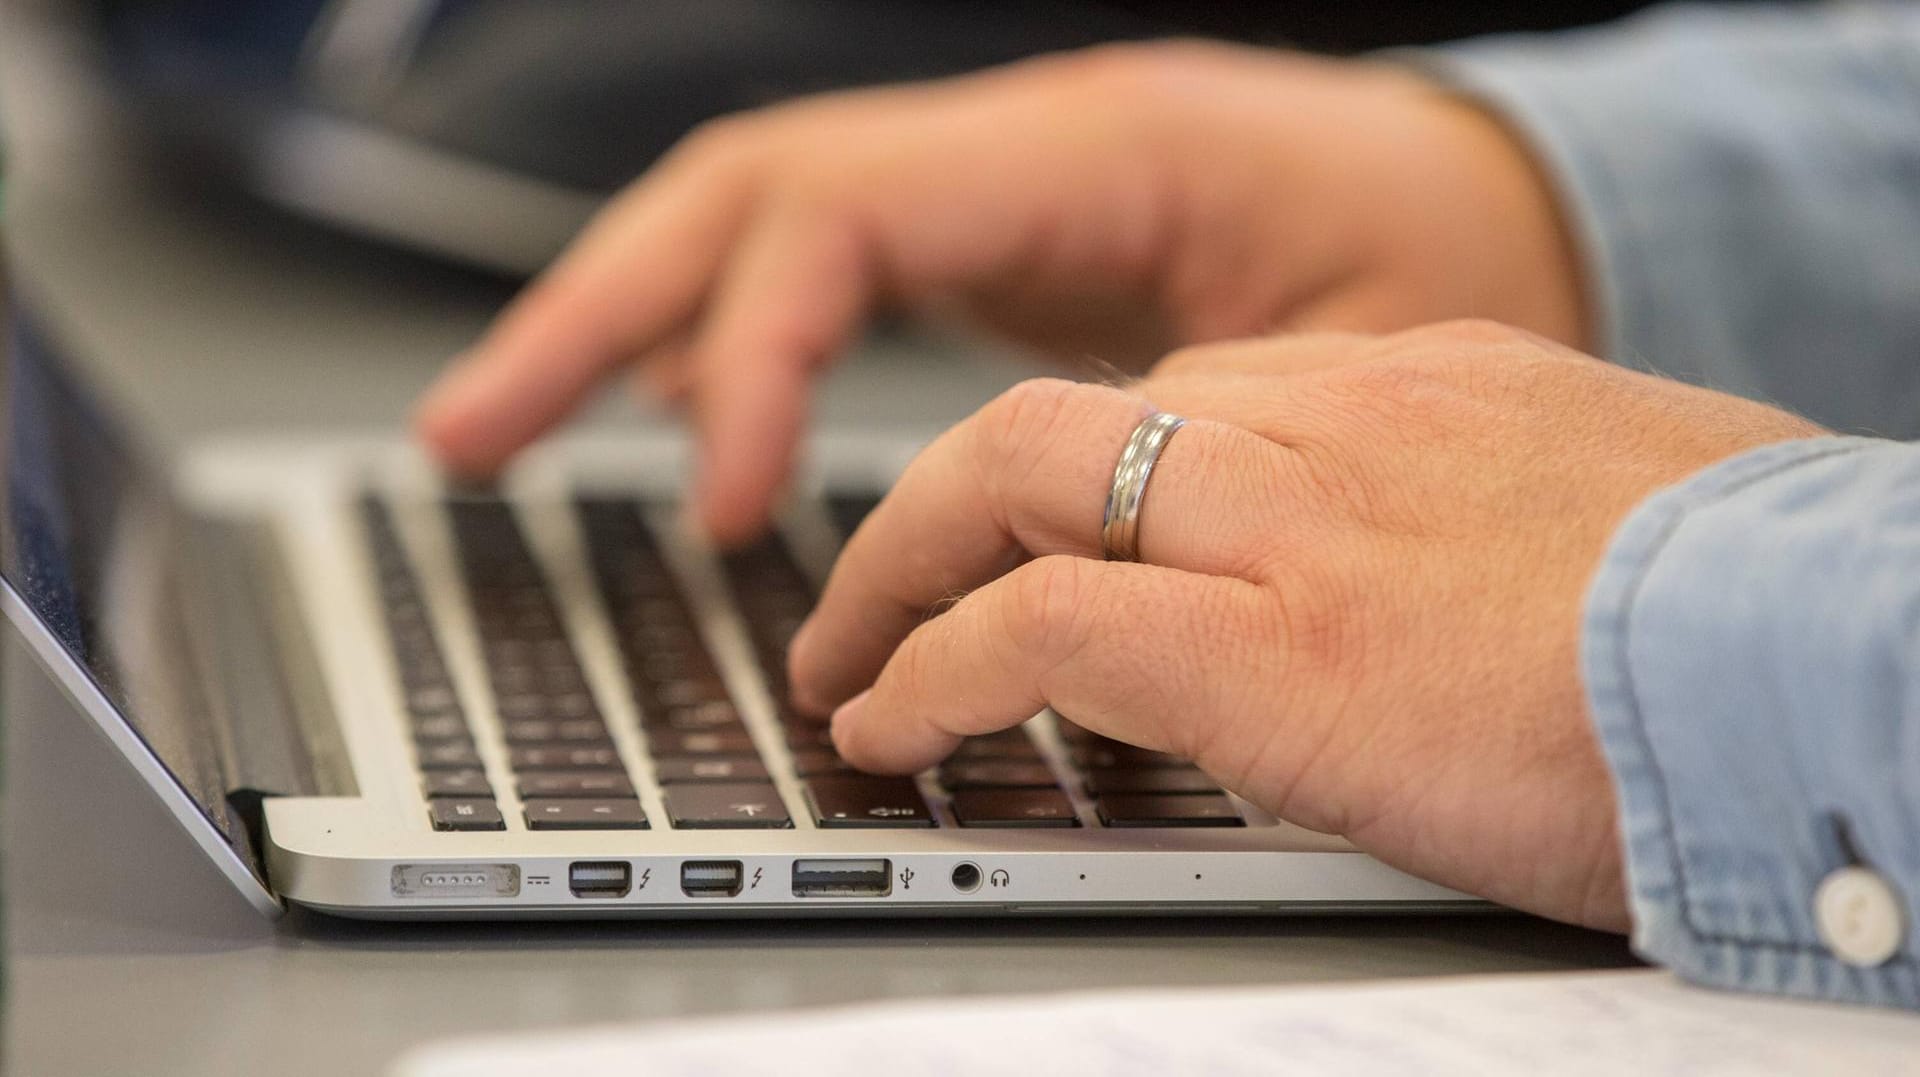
x: 600, y: 878
x: 456, y: 880
x: 710, y: 878
x: 966, y: 877
x: 842, y: 878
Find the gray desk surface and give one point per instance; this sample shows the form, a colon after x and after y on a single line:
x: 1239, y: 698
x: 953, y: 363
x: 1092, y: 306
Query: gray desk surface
x: 127, y: 956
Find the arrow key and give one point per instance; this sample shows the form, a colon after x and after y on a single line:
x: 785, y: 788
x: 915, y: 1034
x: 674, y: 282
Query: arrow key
x: 846, y: 802
x: 1014, y: 808
x: 726, y: 806
x: 575, y: 814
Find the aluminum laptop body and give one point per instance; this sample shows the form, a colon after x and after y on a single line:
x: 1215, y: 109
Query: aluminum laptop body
x: 361, y: 692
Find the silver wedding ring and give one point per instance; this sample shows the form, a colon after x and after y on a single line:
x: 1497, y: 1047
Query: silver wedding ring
x: 1120, y: 529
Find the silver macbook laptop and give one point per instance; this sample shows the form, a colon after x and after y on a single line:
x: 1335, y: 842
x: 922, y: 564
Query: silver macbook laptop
x: 362, y: 692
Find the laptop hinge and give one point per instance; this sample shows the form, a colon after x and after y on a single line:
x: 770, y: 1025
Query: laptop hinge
x: 279, y: 735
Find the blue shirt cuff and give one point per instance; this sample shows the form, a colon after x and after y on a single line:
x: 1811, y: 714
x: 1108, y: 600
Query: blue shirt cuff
x: 1751, y: 653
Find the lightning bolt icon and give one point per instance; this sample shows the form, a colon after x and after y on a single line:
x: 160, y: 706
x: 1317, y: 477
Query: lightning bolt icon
x: 756, y: 879
x: 645, y: 874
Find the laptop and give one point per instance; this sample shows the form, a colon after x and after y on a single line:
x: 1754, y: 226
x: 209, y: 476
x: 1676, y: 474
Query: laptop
x: 361, y: 691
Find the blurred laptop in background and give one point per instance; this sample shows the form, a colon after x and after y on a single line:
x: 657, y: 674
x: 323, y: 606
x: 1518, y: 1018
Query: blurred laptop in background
x: 486, y: 131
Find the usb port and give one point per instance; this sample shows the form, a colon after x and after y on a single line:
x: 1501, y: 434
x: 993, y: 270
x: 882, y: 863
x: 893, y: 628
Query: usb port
x: 600, y: 878
x: 710, y: 878
x: 842, y: 878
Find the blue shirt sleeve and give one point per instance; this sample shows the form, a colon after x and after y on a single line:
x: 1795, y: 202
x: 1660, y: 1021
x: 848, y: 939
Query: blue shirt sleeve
x: 1752, y: 659
x: 1744, y: 185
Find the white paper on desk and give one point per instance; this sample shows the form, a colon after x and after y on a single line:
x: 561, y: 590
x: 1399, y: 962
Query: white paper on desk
x: 1641, y: 1022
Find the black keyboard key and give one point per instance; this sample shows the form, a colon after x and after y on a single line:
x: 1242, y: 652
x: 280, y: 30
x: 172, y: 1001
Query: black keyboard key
x: 1111, y: 755
x: 997, y: 773
x: 422, y: 671
x: 565, y: 757
x: 667, y: 742
x: 545, y: 703
x: 1014, y: 808
x: 1077, y: 734
x: 522, y: 707
x: 715, y: 768
x: 456, y: 783
x: 812, y: 762
x: 704, y: 718
x: 546, y: 784
x: 447, y: 754
x: 432, y: 699
x: 440, y: 727
x: 867, y: 802
x: 1159, y: 780
x: 580, y: 731
x: 726, y: 806
x: 450, y: 814
x: 998, y: 747
x: 676, y: 638
x: 528, y: 730
x: 801, y: 735
x: 685, y: 692
x: 656, y: 666
x: 585, y: 815
x: 1120, y: 810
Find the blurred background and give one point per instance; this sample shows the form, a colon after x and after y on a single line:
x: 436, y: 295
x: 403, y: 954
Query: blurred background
x: 484, y: 132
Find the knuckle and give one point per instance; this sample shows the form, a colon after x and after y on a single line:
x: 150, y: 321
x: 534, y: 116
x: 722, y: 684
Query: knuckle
x: 1046, y: 602
x: 906, y: 674
x: 1440, y: 371
x: 719, y: 139
x: 1395, y: 384
x: 1194, y: 358
x: 1481, y: 331
x: 1021, y: 421
x: 1385, y: 398
x: 1135, y: 65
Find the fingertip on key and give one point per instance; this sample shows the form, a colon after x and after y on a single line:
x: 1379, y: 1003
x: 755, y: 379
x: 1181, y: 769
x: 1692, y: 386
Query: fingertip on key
x: 445, y: 422
x: 853, y: 738
x: 853, y: 741
x: 800, y: 671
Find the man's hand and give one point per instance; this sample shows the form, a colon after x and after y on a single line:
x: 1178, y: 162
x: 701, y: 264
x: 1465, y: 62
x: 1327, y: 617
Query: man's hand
x: 1123, y: 199
x: 1364, y: 561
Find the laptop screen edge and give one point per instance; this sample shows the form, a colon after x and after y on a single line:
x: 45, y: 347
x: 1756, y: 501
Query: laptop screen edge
x: 79, y: 687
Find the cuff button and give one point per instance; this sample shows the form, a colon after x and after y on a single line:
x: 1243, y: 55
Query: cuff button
x: 1859, y: 917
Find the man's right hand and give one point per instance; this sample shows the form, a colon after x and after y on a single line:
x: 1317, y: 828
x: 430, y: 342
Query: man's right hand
x: 1116, y: 202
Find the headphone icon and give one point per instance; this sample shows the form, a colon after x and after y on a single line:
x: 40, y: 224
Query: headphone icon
x: 999, y: 878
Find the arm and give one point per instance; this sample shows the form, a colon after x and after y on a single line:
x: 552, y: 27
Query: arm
x: 1752, y: 658
x: 1744, y: 183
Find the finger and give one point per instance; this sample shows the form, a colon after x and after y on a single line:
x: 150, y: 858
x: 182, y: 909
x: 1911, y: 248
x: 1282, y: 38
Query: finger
x: 1030, y: 474
x: 1136, y: 652
x: 639, y: 273
x: 1261, y: 403
x: 795, y: 294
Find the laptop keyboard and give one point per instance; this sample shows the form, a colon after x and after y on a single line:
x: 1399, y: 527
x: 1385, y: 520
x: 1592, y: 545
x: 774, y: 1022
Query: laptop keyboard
x: 710, y: 772
x: 568, y: 772
x: 458, y: 794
